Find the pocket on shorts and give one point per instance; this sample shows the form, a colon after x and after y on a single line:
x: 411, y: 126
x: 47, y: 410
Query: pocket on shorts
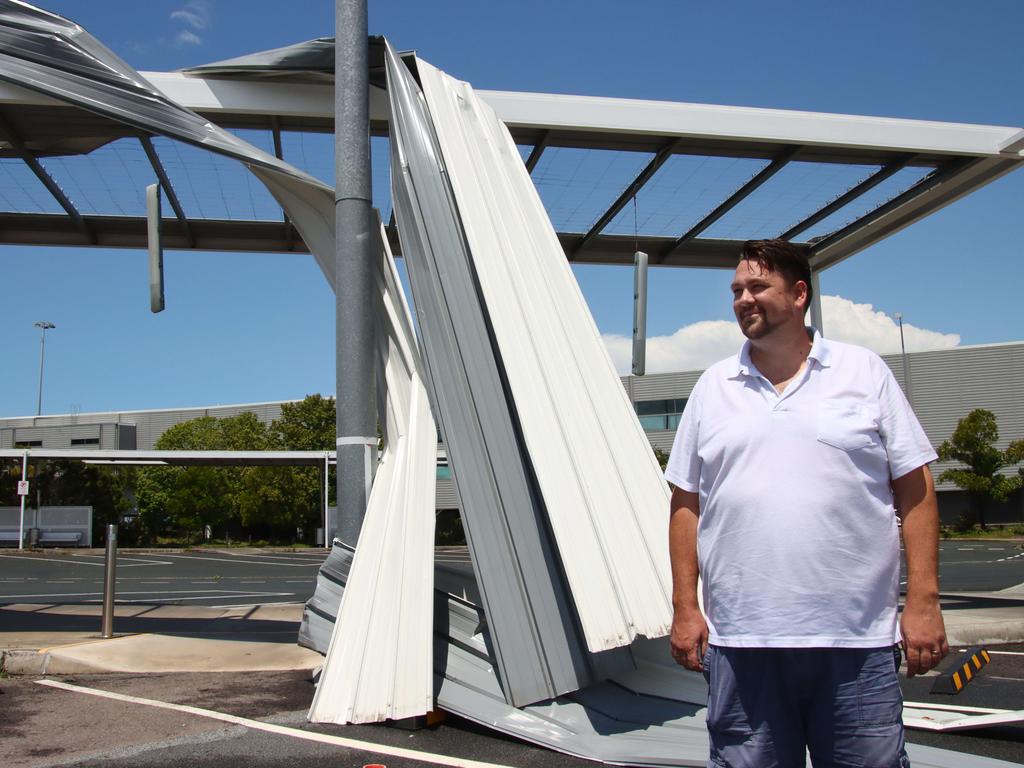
x: 727, y: 718
x: 846, y: 427
x: 880, y: 700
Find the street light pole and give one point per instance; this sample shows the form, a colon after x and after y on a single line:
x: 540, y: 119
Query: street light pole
x: 43, y: 327
x: 906, y: 366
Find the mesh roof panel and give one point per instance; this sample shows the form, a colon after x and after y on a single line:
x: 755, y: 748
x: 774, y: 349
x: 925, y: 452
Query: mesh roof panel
x: 682, y: 192
x: 109, y: 181
x: 22, y: 192
x: 895, y: 185
x: 790, y: 196
x: 211, y: 186
x: 578, y: 185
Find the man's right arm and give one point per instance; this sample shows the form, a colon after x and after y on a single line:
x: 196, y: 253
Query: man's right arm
x: 689, y: 637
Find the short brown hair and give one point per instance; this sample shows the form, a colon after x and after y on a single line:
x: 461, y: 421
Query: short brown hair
x: 784, y: 257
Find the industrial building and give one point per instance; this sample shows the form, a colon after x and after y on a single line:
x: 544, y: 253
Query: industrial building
x: 943, y: 386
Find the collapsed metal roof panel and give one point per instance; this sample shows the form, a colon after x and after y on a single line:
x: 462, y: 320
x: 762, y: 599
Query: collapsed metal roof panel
x: 599, y: 484
x: 538, y: 646
x: 379, y: 664
x: 653, y: 716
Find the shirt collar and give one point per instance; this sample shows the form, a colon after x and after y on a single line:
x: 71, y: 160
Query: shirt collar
x: 820, y: 352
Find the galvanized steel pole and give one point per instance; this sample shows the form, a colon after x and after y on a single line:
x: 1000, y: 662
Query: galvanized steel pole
x: 109, y: 581
x: 354, y: 259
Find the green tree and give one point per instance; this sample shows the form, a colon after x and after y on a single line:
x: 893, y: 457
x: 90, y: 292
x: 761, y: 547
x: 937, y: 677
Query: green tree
x: 189, y: 498
x: 973, y: 444
x: 306, y: 425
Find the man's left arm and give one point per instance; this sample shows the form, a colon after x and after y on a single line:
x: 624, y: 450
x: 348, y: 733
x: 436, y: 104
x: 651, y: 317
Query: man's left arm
x: 924, y: 634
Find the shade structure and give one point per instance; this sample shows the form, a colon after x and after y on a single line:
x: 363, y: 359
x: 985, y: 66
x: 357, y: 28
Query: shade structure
x: 379, y: 665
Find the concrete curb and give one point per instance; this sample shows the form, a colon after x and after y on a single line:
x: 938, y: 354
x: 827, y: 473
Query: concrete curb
x: 25, y: 662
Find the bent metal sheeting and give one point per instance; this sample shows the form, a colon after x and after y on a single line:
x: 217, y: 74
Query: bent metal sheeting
x: 539, y: 648
x: 379, y: 664
x: 602, y: 488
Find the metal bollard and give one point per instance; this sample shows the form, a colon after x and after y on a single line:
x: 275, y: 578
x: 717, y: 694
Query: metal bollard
x: 109, y: 580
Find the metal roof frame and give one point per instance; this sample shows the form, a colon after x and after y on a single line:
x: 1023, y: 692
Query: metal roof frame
x: 964, y: 157
x: 176, y: 458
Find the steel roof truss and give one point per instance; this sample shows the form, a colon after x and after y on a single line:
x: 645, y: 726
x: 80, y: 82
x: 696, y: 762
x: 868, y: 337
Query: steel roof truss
x: 47, y: 180
x: 872, y: 181
x: 735, y: 199
x: 537, y: 151
x: 165, y: 182
x: 642, y: 178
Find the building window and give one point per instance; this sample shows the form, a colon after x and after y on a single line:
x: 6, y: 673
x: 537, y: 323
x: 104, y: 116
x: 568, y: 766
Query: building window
x: 29, y: 444
x: 444, y: 472
x: 85, y: 441
x: 659, y: 415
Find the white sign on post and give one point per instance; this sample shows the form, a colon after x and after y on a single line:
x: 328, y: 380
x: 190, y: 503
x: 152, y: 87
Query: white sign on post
x: 23, y: 487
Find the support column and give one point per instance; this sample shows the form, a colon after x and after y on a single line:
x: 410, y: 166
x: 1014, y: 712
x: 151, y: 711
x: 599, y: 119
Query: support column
x: 816, y: 320
x: 354, y: 255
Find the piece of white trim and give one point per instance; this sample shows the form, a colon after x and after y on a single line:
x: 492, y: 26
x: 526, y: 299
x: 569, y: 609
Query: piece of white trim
x: 356, y: 441
x: 281, y: 730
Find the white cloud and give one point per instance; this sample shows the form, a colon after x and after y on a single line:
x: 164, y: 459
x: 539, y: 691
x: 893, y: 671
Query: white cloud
x: 187, y: 37
x: 698, y: 345
x: 195, y: 14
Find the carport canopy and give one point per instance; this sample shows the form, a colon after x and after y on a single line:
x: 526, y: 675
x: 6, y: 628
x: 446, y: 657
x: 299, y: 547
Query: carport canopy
x: 686, y: 183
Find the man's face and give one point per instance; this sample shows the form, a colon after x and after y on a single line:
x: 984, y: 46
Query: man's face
x: 764, y: 302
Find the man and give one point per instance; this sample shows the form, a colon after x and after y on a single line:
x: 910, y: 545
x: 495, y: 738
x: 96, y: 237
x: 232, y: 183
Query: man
x: 789, y: 465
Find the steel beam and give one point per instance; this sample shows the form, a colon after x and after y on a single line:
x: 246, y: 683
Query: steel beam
x: 850, y: 195
x: 275, y: 129
x: 165, y: 182
x: 734, y: 199
x: 642, y: 178
x: 51, y: 186
x: 354, y: 273
x: 957, y: 177
x: 537, y: 151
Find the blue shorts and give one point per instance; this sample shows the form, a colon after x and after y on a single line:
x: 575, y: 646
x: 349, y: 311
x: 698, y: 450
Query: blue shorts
x: 767, y: 707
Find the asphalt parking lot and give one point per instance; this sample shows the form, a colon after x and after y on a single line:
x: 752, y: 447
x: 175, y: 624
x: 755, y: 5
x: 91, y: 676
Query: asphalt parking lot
x: 229, y: 578
x: 80, y: 725
x: 43, y: 726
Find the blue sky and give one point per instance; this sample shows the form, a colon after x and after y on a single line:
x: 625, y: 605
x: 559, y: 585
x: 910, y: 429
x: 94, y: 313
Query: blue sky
x: 248, y: 328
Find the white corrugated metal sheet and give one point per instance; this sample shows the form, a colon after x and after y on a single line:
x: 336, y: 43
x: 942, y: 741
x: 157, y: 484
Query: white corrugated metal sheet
x: 379, y: 665
x: 605, y: 498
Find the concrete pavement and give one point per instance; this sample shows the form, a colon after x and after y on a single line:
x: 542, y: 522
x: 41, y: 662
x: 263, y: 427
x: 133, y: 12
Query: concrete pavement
x: 64, y: 639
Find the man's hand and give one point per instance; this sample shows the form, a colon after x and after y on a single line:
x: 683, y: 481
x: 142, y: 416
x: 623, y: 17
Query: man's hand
x: 924, y: 635
x: 689, y: 635
x: 689, y: 638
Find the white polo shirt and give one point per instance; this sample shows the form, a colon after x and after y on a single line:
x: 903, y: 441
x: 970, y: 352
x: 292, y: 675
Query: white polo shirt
x: 797, y: 538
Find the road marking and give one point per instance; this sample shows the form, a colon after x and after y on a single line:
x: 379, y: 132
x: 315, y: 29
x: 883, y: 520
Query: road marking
x: 229, y: 594
x: 1011, y: 557
x: 250, y: 562
x: 61, y: 582
x: 122, y: 561
x: 1004, y: 653
x: 279, y: 558
x: 252, y: 582
x: 226, y: 593
x: 283, y: 730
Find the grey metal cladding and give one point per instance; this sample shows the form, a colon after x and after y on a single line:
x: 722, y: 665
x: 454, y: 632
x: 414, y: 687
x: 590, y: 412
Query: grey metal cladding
x: 539, y: 649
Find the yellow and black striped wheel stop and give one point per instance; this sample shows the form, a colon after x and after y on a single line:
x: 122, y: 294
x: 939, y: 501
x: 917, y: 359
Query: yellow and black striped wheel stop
x: 956, y: 678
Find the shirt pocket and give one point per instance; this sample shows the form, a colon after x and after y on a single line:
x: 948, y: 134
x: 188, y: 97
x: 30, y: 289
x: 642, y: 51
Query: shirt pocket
x: 846, y: 427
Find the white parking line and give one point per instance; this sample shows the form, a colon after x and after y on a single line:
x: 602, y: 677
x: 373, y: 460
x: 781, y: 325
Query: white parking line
x: 230, y: 594
x: 122, y: 561
x: 250, y: 562
x: 227, y: 592
x: 282, y: 730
